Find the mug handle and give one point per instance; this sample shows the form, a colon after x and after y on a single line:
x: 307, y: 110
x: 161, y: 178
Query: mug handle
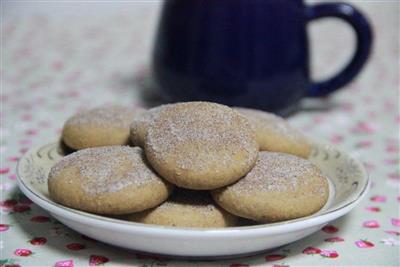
x: 364, y: 36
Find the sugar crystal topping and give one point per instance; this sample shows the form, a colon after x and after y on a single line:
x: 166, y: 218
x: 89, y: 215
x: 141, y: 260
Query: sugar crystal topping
x: 105, y: 116
x: 199, y: 132
x: 108, y: 169
x: 277, y: 172
x: 141, y: 123
x: 148, y: 116
x: 270, y: 123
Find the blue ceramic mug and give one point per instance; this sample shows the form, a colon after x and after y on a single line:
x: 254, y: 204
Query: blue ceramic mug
x: 250, y: 53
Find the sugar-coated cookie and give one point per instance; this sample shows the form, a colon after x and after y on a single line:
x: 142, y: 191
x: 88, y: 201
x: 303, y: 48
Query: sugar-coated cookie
x: 186, y: 208
x: 280, y: 187
x: 141, y: 123
x: 102, y: 126
x: 107, y: 180
x: 201, y: 145
x: 275, y: 134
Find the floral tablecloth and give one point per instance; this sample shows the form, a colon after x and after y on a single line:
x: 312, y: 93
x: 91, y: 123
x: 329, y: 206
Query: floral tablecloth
x: 53, y: 65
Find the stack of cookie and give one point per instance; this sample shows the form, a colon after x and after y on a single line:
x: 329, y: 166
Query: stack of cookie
x: 193, y: 164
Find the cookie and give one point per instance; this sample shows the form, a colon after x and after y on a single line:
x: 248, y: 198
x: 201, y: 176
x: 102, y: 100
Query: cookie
x: 280, y: 187
x: 201, y: 145
x: 275, y: 134
x: 140, y: 124
x: 107, y: 180
x: 102, y: 126
x: 186, y: 208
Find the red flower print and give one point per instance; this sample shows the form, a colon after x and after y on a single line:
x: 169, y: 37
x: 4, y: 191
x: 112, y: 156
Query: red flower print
x: 364, y: 244
x: 8, y: 204
x: 329, y: 253
x: 371, y: 224
x: 380, y: 199
x: 311, y: 251
x: 347, y: 106
x: 334, y: 239
x: 364, y: 144
x: 330, y: 229
x: 22, y: 252
x: 21, y: 208
x: 318, y: 119
x: 12, y: 265
x: 44, y: 124
x: 391, y: 161
x: 64, y: 263
x: 57, y: 65
x: 373, y: 209
x: 40, y: 219
x: 97, y: 260
x: 25, y: 142
x: 4, y: 170
x: 75, y: 246
x: 388, y: 105
x: 23, y: 150
x: 396, y: 233
x: 31, y: 132
x: 395, y: 221
x: 4, y: 227
x: 38, y: 241
x: 364, y: 128
x: 392, y: 148
x: 369, y: 166
x: 278, y: 265
x: 336, y: 139
x: 394, y: 176
x: 239, y: 265
x: 13, y: 159
x: 274, y: 257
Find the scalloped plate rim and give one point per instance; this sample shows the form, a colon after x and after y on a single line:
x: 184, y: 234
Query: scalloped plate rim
x: 289, y: 225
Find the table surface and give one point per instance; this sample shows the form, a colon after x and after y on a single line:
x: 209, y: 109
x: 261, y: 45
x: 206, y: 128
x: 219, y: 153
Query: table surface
x: 60, y: 58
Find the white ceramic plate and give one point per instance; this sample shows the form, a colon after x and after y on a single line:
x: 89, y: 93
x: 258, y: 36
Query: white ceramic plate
x: 348, y: 184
